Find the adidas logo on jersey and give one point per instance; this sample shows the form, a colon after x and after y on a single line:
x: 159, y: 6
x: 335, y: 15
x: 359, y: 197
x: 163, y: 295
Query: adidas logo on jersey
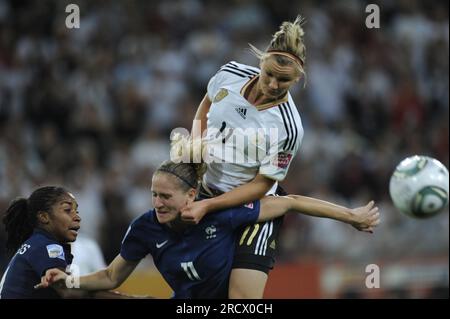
x: 242, y: 112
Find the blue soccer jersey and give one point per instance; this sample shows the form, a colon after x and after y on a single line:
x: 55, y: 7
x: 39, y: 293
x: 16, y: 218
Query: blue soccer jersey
x: 37, y: 254
x: 196, y: 262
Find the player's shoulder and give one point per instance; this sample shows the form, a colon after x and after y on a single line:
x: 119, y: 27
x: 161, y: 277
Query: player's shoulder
x: 40, y: 243
x: 288, y: 114
x: 226, y: 213
x: 145, y: 220
x: 289, y: 124
x: 218, y: 217
x: 145, y: 224
x: 38, y: 240
x: 242, y: 66
x: 233, y: 69
x: 293, y: 109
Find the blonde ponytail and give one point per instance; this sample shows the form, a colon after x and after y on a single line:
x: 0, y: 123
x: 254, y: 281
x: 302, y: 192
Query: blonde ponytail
x: 185, y: 160
x: 288, y: 39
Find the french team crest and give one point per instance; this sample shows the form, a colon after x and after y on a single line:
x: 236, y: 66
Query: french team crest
x: 220, y: 95
x: 210, y: 232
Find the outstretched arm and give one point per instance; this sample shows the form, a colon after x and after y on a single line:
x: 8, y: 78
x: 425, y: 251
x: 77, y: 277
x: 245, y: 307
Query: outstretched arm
x: 109, y: 278
x: 363, y: 218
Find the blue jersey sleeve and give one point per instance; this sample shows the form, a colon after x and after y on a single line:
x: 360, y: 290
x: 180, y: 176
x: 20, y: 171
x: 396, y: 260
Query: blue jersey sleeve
x: 246, y: 214
x: 134, y: 245
x: 47, y: 256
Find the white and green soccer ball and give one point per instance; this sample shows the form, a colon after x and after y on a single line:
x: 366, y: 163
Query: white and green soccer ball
x: 419, y: 186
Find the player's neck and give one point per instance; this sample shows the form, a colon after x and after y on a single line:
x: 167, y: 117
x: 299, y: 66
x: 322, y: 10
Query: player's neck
x: 178, y: 225
x: 255, y: 96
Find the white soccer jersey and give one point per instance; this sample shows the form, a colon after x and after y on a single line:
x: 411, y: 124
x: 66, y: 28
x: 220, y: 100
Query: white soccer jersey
x: 243, y: 140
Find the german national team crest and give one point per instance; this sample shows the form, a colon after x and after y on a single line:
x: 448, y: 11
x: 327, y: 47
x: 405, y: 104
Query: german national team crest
x: 282, y: 160
x: 220, y: 96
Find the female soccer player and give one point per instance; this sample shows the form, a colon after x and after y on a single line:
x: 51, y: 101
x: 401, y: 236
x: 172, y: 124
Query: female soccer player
x: 196, y: 260
x: 39, y: 229
x: 247, y: 99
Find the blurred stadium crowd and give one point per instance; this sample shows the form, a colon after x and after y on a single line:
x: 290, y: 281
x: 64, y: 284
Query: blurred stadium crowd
x: 92, y: 108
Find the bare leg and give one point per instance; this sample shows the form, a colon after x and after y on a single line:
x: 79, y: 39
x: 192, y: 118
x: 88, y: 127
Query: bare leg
x: 247, y: 284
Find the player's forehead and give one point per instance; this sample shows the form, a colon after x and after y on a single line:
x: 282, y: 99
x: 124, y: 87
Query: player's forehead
x: 164, y: 183
x: 67, y: 199
x: 271, y: 65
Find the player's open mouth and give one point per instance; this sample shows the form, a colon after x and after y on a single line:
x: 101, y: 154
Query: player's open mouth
x: 75, y: 229
x: 274, y: 93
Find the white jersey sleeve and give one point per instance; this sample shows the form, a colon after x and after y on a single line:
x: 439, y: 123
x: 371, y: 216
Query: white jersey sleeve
x: 214, y: 85
x: 230, y: 75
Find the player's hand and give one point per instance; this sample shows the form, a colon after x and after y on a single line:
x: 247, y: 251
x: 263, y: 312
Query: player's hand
x: 365, y: 218
x: 194, y: 212
x: 52, y: 277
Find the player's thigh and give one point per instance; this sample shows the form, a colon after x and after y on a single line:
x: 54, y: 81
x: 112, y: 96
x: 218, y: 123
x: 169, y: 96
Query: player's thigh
x: 247, y: 284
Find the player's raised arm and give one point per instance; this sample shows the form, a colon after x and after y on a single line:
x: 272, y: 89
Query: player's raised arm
x: 200, y: 121
x: 363, y: 218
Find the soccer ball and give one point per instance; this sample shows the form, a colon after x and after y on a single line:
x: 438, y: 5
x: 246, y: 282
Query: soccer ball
x: 419, y: 186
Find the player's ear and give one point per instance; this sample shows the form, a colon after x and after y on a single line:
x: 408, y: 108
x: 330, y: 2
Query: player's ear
x: 43, y: 217
x: 192, y: 193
